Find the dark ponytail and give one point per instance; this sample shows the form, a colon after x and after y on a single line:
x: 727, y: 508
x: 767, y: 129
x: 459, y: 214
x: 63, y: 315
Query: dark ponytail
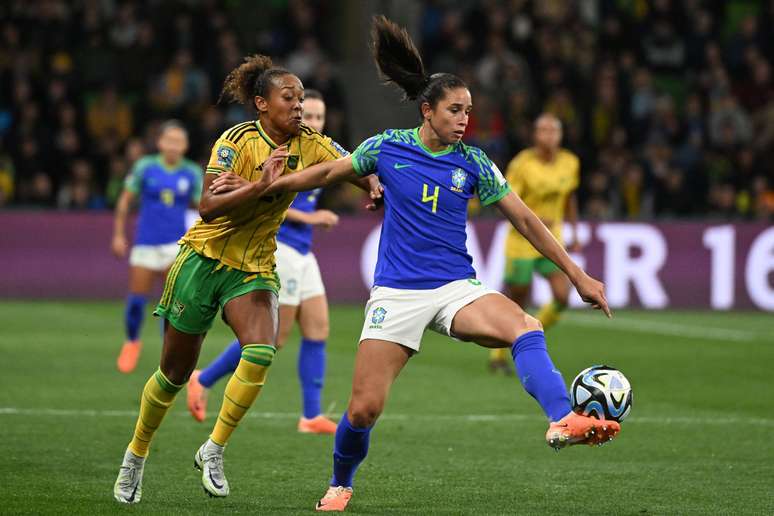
x: 250, y: 79
x: 399, y: 62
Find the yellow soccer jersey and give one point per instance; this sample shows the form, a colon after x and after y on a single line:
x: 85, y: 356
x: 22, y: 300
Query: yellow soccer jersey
x: 245, y: 238
x: 544, y: 187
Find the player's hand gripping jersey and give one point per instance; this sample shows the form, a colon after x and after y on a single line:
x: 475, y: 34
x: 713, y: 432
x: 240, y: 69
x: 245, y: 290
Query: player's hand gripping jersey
x: 426, y: 195
x: 544, y: 188
x: 164, y: 194
x: 245, y: 238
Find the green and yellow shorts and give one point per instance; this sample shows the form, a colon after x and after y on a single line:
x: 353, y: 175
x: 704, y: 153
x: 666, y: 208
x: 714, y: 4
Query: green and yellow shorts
x: 518, y: 271
x: 197, y: 286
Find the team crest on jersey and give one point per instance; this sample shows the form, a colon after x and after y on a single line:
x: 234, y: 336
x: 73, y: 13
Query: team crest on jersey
x: 182, y: 185
x: 458, y: 177
x: 377, y: 317
x: 292, y: 162
x: 226, y: 156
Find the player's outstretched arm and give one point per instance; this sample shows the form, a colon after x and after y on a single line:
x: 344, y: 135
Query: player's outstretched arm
x: 529, y: 225
x: 320, y: 175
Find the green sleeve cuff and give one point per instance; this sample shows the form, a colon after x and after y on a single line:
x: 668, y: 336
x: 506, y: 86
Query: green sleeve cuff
x: 496, y: 197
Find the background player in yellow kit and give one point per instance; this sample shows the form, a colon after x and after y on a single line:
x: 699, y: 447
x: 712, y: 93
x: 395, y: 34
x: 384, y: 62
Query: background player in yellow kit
x: 545, y: 176
x: 226, y: 261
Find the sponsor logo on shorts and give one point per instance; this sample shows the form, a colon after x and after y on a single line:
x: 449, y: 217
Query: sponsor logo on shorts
x: 292, y: 286
x: 377, y: 318
x: 177, y: 308
x: 474, y: 281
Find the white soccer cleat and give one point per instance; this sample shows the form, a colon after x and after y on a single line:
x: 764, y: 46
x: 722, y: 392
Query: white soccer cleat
x: 128, y: 486
x: 209, y: 459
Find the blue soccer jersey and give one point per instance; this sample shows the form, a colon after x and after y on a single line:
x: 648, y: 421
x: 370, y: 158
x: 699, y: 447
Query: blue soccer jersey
x: 426, y: 196
x: 296, y: 234
x: 164, y: 194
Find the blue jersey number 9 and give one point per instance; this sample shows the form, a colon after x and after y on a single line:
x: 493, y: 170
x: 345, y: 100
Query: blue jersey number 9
x: 168, y: 196
x: 429, y: 198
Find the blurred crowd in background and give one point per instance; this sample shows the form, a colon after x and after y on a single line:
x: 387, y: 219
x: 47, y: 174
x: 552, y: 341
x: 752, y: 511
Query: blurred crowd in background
x: 669, y: 104
x: 90, y: 82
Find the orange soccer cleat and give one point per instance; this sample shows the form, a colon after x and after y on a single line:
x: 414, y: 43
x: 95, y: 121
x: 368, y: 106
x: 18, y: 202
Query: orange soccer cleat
x: 576, y: 429
x: 335, y: 499
x: 130, y: 353
x: 197, y: 397
x: 317, y: 425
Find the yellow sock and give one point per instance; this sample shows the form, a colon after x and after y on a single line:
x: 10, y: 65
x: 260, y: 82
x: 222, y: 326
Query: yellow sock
x: 157, y: 396
x: 550, y: 314
x: 499, y: 354
x: 242, y: 389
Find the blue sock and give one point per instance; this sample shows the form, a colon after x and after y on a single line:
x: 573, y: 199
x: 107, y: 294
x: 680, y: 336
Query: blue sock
x: 134, y: 314
x: 226, y: 363
x: 311, y: 373
x: 539, y: 376
x: 349, y: 449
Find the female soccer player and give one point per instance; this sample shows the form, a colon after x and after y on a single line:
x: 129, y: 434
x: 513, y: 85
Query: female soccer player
x: 302, y: 298
x: 545, y: 177
x: 226, y: 260
x: 165, y: 184
x: 423, y: 275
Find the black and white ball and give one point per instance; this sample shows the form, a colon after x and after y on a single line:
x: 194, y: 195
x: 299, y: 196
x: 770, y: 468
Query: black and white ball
x: 603, y: 392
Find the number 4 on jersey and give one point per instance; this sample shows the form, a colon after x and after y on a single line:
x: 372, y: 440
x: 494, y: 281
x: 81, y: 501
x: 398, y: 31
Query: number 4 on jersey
x: 428, y: 198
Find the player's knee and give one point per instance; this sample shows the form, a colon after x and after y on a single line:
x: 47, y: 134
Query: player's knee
x: 363, y: 414
x: 316, y: 330
x: 527, y: 323
x: 323, y: 330
x: 176, y: 374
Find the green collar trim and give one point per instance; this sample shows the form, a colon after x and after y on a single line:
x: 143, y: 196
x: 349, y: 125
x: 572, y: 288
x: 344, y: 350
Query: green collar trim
x: 447, y: 150
x: 265, y: 136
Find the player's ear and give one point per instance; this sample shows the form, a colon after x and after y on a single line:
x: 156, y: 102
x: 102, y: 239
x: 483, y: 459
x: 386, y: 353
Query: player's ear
x: 426, y: 110
x: 261, y: 104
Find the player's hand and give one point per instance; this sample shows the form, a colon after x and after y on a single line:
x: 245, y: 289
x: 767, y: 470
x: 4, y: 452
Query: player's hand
x: 376, y: 193
x: 119, y: 246
x: 226, y: 182
x: 324, y: 218
x: 274, y: 165
x: 593, y: 292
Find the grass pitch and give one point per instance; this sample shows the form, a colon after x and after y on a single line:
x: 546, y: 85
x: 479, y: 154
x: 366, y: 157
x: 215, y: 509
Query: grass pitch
x: 453, y: 440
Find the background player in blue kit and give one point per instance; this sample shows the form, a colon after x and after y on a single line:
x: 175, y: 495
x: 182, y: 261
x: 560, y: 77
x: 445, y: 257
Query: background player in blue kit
x: 424, y: 278
x: 165, y: 185
x: 302, y: 298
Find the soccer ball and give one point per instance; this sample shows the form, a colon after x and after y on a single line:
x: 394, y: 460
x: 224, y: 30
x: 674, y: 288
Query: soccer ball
x: 602, y: 392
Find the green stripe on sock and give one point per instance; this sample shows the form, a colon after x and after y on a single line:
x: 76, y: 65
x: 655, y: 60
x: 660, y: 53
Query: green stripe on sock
x: 146, y: 424
x: 148, y: 400
x: 226, y: 422
x: 259, y: 361
x: 234, y: 402
x: 165, y: 384
x: 259, y: 354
